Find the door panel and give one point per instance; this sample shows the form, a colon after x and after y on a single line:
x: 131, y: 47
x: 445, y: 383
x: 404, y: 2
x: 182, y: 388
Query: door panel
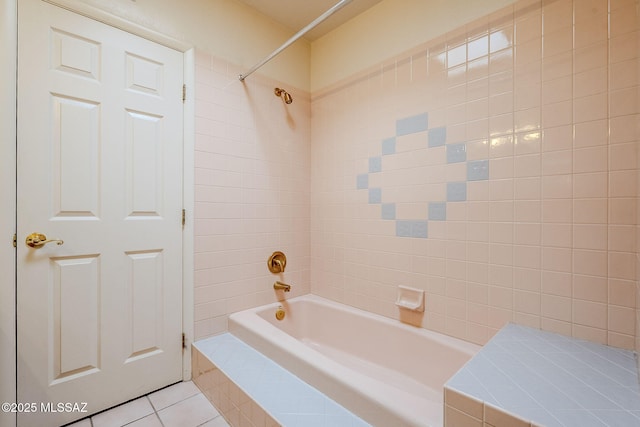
x: 76, y: 162
x: 144, y: 161
x: 74, y: 308
x: 100, y: 167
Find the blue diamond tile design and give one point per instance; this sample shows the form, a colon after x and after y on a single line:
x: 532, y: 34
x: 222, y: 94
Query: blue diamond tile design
x: 403, y: 228
x: 419, y: 229
x: 478, y: 170
x: 412, y: 124
x: 375, y: 164
x: 437, y: 211
x: 388, y: 146
x: 411, y: 228
x: 388, y: 211
x: 437, y: 137
x: 456, y: 153
x: 362, y: 181
x: 456, y: 191
x: 375, y: 195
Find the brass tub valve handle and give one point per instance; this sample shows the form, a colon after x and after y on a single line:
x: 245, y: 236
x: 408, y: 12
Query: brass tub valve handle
x: 277, y: 262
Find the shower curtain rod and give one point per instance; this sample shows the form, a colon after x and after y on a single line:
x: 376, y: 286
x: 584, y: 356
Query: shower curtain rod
x: 299, y: 34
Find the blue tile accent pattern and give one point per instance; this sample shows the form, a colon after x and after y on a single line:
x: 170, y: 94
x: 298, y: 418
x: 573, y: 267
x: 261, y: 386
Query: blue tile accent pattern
x: 403, y: 228
x: 362, y: 181
x: 388, y: 211
x: 553, y: 380
x: 435, y: 210
x: 478, y: 170
x: 375, y: 164
x: 437, y: 137
x: 456, y: 153
x: 419, y: 229
x: 411, y: 228
x: 409, y: 125
x: 456, y: 191
x: 388, y: 146
x: 375, y: 195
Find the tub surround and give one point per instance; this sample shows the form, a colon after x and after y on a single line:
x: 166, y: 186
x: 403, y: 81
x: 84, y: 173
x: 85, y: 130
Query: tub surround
x: 528, y: 377
x: 523, y: 377
x: 495, y: 167
x: 250, y: 389
x: 252, y: 167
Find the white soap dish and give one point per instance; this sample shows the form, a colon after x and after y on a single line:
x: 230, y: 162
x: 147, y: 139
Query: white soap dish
x: 410, y: 298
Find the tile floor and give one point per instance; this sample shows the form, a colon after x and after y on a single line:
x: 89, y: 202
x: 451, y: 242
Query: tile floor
x: 179, y: 405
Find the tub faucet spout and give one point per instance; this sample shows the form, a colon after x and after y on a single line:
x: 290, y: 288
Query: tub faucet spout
x: 281, y: 286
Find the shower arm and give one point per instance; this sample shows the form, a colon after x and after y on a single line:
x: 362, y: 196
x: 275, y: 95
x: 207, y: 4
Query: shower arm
x: 296, y: 36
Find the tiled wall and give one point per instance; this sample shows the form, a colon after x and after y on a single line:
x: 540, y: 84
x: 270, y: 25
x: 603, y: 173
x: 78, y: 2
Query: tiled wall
x: 251, y: 189
x: 495, y: 168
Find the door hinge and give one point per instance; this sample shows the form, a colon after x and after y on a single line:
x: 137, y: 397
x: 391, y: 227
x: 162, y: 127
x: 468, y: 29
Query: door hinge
x: 15, y: 240
x: 184, y: 93
x: 184, y: 340
x: 184, y: 216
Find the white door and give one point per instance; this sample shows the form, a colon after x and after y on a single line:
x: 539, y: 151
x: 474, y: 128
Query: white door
x: 100, y: 113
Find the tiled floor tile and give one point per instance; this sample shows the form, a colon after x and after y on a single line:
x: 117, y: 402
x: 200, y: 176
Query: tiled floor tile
x: 173, y: 394
x: 123, y: 414
x: 190, y: 412
x: 181, y: 404
x: 82, y: 423
x: 216, y: 422
x: 148, y: 421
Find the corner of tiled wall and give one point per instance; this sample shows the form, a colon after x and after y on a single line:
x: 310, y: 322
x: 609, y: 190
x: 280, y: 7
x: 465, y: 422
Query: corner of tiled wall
x: 637, y: 228
x: 541, y: 99
x: 252, y: 178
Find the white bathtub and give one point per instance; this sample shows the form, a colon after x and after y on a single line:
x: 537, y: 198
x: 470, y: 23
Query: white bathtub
x: 386, y: 372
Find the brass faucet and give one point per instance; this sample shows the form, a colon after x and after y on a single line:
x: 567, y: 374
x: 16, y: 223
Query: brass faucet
x: 281, y: 286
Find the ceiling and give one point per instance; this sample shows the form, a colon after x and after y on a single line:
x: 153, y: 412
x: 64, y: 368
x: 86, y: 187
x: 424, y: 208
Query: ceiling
x: 296, y: 14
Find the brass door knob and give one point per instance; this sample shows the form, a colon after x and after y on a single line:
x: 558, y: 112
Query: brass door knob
x: 37, y: 240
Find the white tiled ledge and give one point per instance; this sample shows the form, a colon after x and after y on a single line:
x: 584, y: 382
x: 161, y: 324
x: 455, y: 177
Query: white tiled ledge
x: 250, y: 389
x: 527, y: 377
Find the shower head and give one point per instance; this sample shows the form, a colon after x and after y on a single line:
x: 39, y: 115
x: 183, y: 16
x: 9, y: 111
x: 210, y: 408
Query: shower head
x: 284, y: 94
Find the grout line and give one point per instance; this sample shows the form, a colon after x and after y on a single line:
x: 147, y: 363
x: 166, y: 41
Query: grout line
x: 182, y: 400
x: 152, y: 405
x: 155, y: 411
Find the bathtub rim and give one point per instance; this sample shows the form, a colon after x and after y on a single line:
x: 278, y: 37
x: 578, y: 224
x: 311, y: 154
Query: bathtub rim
x: 328, y: 375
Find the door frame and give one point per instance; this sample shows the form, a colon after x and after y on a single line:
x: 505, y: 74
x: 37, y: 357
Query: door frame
x: 8, y: 52
x: 8, y: 79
